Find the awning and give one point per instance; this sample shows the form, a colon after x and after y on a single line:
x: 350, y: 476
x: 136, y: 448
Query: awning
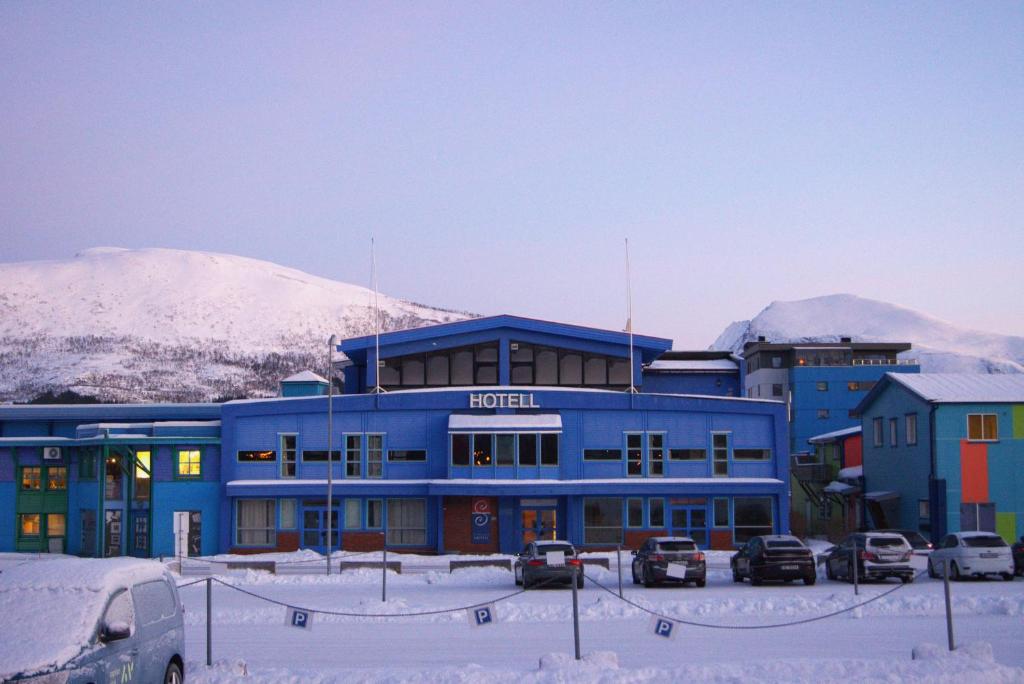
x: 882, y: 496
x: 840, y: 488
x: 519, y: 422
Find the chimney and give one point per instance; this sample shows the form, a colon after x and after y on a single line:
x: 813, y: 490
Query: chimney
x: 761, y: 338
x: 846, y: 340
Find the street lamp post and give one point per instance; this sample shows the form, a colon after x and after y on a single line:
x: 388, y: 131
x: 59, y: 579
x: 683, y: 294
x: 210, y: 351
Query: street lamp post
x: 330, y: 443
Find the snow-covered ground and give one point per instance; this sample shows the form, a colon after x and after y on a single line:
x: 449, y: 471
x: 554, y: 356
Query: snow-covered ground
x: 533, y: 640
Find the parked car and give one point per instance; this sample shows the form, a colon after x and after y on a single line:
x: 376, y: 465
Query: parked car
x: 82, y: 620
x: 533, y: 566
x: 773, y: 557
x: 879, y: 555
x: 1018, y: 557
x: 915, y: 539
x: 972, y: 554
x: 669, y: 559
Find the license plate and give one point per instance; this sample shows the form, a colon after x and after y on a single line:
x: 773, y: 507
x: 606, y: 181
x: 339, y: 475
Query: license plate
x: 990, y: 555
x: 676, y: 570
x: 790, y: 567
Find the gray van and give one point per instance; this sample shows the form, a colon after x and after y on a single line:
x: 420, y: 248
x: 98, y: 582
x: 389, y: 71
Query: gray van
x: 91, y: 621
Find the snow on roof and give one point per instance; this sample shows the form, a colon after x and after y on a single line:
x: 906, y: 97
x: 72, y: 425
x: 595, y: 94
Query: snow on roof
x: 525, y: 421
x: 693, y: 365
x: 964, y: 388
x: 306, y: 376
x: 835, y: 434
x: 835, y: 487
x: 851, y: 473
x: 483, y: 484
x: 52, y: 607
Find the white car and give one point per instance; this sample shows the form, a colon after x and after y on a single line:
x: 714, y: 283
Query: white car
x: 972, y: 554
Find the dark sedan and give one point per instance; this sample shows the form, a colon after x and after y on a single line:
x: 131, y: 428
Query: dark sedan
x: 669, y: 559
x: 773, y: 557
x: 543, y: 563
x: 1018, y: 557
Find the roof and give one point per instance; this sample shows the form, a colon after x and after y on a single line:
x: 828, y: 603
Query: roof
x: 305, y: 376
x: 752, y: 347
x: 964, y: 388
x: 834, y: 435
x: 704, y: 365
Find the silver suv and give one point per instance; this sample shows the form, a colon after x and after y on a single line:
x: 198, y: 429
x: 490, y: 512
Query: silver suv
x: 879, y: 555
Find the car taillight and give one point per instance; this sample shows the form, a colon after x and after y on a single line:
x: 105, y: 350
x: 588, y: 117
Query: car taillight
x: 657, y: 558
x: 867, y: 555
x: 574, y: 561
x: 535, y: 562
x: 699, y: 556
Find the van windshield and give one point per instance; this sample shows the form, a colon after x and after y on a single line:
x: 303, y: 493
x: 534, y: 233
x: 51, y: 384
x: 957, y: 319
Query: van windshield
x: 547, y: 548
x: 984, y: 542
x: 886, y: 542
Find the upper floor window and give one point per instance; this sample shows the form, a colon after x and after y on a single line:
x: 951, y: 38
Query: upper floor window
x: 776, y: 390
x: 288, y: 455
x: 31, y: 478
x: 536, y: 365
x: 189, y: 463
x: 752, y: 454
x: 822, y: 413
x: 982, y: 427
x: 821, y: 386
x: 465, y: 366
x: 893, y: 440
x: 353, y: 455
x: 911, y: 429
x: 876, y: 430
x: 486, y: 449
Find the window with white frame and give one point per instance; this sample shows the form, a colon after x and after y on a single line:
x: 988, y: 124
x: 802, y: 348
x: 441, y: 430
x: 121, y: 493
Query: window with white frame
x: 288, y: 455
x: 635, y: 512
x: 374, y: 514
x: 893, y: 427
x: 353, y: 455
x: 982, y: 427
x: 375, y: 456
x: 254, y: 522
x: 288, y: 514
x: 911, y: 428
x: 876, y: 432
x: 720, y: 454
x: 655, y: 454
x: 407, y: 522
x: 353, y: 514
x: 634, y: 454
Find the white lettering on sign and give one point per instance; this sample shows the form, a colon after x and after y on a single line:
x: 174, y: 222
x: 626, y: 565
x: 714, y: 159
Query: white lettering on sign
x: 490, y: 400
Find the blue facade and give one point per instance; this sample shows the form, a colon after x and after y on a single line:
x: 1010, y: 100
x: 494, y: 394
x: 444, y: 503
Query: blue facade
x: 487, y: 433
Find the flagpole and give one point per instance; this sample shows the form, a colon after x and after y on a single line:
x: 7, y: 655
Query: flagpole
x: 629, y: 319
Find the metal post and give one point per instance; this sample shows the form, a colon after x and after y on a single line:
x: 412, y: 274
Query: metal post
x: 576, y: 610
x: 856, y: 562
x: 949, y: 605
x: 618, y: 557
x: 209, y: 621
x: 330, y: 444
x: 384, y: 577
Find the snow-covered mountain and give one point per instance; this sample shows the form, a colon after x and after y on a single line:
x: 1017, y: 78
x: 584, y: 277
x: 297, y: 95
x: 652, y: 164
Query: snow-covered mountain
x: 938, y: 345
x: 173, y: 325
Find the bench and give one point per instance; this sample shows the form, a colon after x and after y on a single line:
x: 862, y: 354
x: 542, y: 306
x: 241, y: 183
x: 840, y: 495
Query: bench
x: 504, y: 563
x: 269, y: 566
x: 602, y: 562
x: 394, y: 566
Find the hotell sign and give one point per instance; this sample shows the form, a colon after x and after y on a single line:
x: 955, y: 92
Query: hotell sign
x: 491, y: 400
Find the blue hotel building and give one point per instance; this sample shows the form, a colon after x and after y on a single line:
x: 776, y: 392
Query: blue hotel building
x: 472, y: 437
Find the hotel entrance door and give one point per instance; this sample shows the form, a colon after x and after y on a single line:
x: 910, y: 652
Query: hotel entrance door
x: 539, y: 520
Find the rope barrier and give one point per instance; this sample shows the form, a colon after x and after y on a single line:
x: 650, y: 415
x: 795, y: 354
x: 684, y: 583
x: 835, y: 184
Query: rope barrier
x: 195, y: 559
x: 802, y: 621
x: 189, y: 584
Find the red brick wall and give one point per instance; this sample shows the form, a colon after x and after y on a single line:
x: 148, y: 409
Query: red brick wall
x: 721, y: 540
x: 362, y: 541
x: 458, y: 525
x: 634, y: 539
x: 286, y: 541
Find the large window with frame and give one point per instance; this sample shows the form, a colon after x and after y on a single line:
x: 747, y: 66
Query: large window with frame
x: 460, y: 449
x: 289, y: 452
x: 602, y: 520
x: 375, y: 455
x: 876, y: 432
x: 143, y: 474
x: 482, y: 455
x: 87, y: 464
x: 254, y: 522
x: 528, y: 449
x: 753, y: 517
x: 687, y: 454
x: 29, y: 524
x: 353, y: 455
x: 752, y: 454
x: 655, y: 454
x: 634, y: 454
x: 56, y: 478
x: 353, y: 514
x: 31, y: 478
x: 189, y: 463
x: 720, y: 454
x: 505, y: 450
x: 464, y: 366
x: 531, y: 364
x: 634, y: 512
x: 656, y: 512
x: 407, y: 522
x: 911, y: 429
x: 549, y: 449
x: 982, y: 427
x: 265, y: 456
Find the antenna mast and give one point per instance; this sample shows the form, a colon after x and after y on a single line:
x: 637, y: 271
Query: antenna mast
x: 377, y: 389
x: 629, y: 319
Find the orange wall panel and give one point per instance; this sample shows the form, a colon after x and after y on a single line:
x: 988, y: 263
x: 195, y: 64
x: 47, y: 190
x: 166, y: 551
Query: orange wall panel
x: 853, y: 451
x: 973, y: 472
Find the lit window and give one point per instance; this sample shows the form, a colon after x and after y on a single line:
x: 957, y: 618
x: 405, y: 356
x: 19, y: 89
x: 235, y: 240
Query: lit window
x: 56, y: 478
x: 143, y: 468
x: 55, y: 524
x: 28, y: 525
x: 31, y: 478
x: 189, y: 463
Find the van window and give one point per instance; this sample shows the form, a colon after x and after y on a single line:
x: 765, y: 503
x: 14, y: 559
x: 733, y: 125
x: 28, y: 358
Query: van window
x: 153, y: 602
x: 121, y: 610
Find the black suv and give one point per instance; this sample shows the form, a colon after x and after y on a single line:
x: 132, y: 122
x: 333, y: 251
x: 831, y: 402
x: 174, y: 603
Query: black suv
x: 1018, y: 557
x: 669, y: 559
x: 773, y: 557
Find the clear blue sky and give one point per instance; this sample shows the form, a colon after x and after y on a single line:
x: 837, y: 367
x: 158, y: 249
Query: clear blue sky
x: 500, y: 152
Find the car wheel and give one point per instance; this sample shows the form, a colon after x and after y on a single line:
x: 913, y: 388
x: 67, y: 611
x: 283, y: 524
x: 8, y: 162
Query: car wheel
x: 701, y: 582
x: 173, y: 674
x: 755, y: 579
x: 1008, y: 576
x: 636, y: 580
x: 810, y: 579
x: 954, y: 573
x: 736, y: 576
x: 648, y: 582
x: 907, y: 579
x: 828, y: 571
x: 931, y: 570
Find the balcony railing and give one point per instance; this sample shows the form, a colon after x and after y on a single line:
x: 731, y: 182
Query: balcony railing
x: 805, y: 469
x: 884, y: 362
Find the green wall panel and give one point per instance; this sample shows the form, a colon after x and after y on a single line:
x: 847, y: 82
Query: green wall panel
x: 1006, y: 526
x: 1018, y: 421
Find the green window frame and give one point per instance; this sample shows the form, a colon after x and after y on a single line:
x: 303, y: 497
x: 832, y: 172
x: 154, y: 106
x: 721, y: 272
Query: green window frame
x: 87, y: 465
x: 30, y: 479
x: 188, y: 464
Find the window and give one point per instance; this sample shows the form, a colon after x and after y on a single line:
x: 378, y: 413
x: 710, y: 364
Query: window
x: 154, y: 602
x: 56, y: 525
x: 407, y: 522
x: 482, y: 450
x: 28, y: 524
x: 464, y: 366
x: 656, y: 512
x: 982, y: 427
x: 821, y: 386
x: 528, y: 450
x: 655, y: 454
x: 535, y: 365
x: 189, y: 463
x: 375, y: 456
x: 254, y: 522
x: 822, y: 414
x: 143, y: 470
x: 753, y: 517
x: 86, y: 465
x: 374, y: 514
x: 319, y: 455
x: 353, y: 514
x: 892, y: 432
x: 911, y: 428
x: 876, y: 430
x: 289, y: 515
x: 56, y: 478
x: 121, y: 609
x: 549, y: 449
x: 752, y: 454
x: 776, y: 390
x: 288, y: 455
x: 776, y: 362
x: 353, y: 455
x: 635, y: 512
x: 31, y: 479
x: 602, y: 520
x: 720, y: 513
x: 602, y: 455
x: 634, y: 455
x: 923, y: 509
x: 687, y: 454
x: 407, y: 455
x: 860, y: 385
x: 505, y: 450
x: 720, y: 454
x: 260, y: 456
x: 460, y: 450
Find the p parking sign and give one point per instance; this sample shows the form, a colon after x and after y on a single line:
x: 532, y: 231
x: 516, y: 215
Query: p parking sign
x: 666, y: 629
x: 481, y: 616
x: 302, y: 619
